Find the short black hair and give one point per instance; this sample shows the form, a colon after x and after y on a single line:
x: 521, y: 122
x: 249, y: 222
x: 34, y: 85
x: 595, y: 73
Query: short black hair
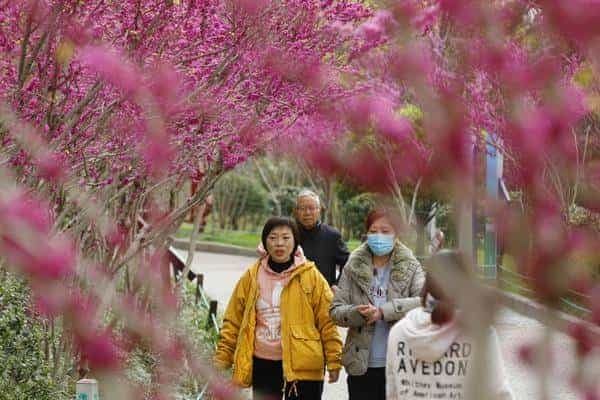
x: 275, y: 222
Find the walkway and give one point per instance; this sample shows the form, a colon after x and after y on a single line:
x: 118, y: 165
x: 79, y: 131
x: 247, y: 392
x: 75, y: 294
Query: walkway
x: 221, y: 272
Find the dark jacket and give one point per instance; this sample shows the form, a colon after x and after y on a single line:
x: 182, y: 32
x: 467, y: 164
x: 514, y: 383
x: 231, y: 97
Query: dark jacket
x: 325, y: 247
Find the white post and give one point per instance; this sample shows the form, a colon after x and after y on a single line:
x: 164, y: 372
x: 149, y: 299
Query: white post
x: 87, y: 389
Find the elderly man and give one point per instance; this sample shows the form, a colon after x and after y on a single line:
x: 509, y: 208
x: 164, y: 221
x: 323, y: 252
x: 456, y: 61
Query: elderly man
x: 321, y: 243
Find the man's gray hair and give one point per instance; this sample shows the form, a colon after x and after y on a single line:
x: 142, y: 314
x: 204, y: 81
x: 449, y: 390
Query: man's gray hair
x: 308, y: 193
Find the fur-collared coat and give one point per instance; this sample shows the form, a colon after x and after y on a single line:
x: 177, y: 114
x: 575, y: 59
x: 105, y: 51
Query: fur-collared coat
x: 404, y: 288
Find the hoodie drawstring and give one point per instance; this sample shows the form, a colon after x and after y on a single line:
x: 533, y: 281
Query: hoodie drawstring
x: 293, y: 389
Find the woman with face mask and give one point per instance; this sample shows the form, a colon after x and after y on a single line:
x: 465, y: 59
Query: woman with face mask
x: 380, y: 283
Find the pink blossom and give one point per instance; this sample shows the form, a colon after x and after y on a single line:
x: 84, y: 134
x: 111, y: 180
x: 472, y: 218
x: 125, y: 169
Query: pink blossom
x: 166, y: 88
x: 367, y: 171
x: 465, y: 12
x: 359, y: 113
x: 578, y: 19
x: 51, y: 168
x: 252, y: 7
x: 372, y: 31
x: 77, y: 33
x: 584, y: 339
x: 99, y: 349
x: 48, y: 305
x: 112, y: 67
x: 117, y: 236
x: 56, y: 262
x: 174, y: 350
x: 223, y: 390
x: 426, y: 18
x: 412, y: 63
x: 158, y: 153
x: 36, y: 10
x: 210, y: 84
x: 594, y: 303
x: 591, y: 393
x: 51, y: 260
x: 395, y: 128
x: 325, y: 158
x: 526, y: 354
x: 22, y: 209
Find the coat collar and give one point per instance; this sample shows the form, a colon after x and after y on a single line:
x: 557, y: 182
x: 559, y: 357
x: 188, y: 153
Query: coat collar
x: 309, y: 232
x: 360, y: 264
x: 298, y: 268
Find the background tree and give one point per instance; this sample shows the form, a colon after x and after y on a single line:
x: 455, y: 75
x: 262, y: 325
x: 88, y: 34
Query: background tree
x: 480, y: 72
x: 107, y: 109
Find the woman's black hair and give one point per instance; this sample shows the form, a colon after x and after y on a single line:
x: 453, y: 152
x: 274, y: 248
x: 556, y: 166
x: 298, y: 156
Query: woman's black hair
x: 275, y: 222
x: 443, y: 310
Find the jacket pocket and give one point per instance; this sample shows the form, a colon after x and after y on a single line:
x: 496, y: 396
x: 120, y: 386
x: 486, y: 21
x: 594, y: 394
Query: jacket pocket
x: 353, y: 355
x: 307, y: 283
x: 306, y: 348
x: 354, y: 362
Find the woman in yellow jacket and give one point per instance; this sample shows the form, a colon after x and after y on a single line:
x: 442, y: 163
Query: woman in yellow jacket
x: 276, y: 331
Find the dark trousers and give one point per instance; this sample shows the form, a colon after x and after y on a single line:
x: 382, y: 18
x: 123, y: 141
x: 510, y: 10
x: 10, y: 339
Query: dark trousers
x: 267, y: 383
x: 370, y: 386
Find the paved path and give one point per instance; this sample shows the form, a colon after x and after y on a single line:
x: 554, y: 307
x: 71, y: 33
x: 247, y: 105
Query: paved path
x: 221, y: 272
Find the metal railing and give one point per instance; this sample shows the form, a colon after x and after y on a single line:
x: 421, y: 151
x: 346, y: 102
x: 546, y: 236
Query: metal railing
x: 573, y: 303
x: 177, y: 267
x: 178, y: 264
x: 504, y: 278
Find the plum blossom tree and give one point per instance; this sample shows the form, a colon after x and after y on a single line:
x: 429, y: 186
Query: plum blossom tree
x: 499, y: 72
x: 110, y: 107
x: 106, y: 109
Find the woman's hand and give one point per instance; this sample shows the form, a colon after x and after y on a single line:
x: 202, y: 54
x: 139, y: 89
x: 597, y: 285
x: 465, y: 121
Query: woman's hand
x: 370, y: 313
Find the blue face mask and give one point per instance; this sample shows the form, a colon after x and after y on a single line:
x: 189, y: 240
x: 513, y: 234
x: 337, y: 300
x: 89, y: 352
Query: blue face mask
x: 380, y: 244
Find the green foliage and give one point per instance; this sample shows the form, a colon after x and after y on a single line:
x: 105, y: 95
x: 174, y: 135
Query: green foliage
x: 584, y: 77
x: 346, y: 191
x: 287, y: 197
x: 355, y: 211
x: 412, y: 112
x: 192, y: 324
x: 415, y: 115
x: 353, y: 244
x: 445, y: 222
x: 236, y: 238
x: 212, y: 234
x: 25, y: 372
x: 239, y: 201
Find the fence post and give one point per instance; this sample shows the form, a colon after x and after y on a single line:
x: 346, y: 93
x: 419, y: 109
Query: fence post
x: 87, y: 389
x: 212, y: 310
x: 499, y: 275
x: 199, y: 285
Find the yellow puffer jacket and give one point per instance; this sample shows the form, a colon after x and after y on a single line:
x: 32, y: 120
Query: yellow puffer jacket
x: 309, y: 337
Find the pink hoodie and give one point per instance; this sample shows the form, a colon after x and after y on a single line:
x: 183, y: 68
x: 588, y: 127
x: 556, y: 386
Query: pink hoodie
x: 267, y: 343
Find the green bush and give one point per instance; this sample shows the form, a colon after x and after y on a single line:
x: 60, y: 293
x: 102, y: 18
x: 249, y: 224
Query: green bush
x: 25, y: 372
x: 445, y: 222
x: 355, y: 211
x: 192, y: 324
x: 287, y: 198
x: 239, y: 202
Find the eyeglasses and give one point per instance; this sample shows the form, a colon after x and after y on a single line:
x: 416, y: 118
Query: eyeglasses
x: 309, y: 209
